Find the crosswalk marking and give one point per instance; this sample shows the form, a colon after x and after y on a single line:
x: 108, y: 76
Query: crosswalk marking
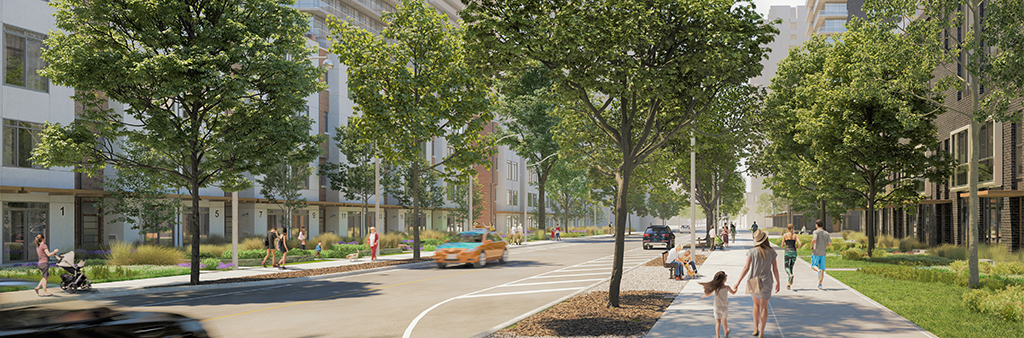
x: 520, y: 292
x: 555, y: 282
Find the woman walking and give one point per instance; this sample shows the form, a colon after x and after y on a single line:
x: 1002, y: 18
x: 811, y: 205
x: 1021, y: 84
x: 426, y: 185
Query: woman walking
x: 759, y: 284
x: 44, y: 254
x: 282, y: 246
x: 792, y: 241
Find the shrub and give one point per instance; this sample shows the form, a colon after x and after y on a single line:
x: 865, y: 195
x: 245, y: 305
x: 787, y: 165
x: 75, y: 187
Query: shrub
x: 251, y: 243
x: 911, y: 243
x: 213, y: 251
x: 886, y: 241
x: 879, y: 252
x: 122, y: 253
x: 327, y: 239
x: 215, y: 239
x: 391, y: 239
x: 853, y: 254
x: 1008, y: 268
x: 916, y: 274
x: 209, y: 264
x: 434, y: 234
x: 247, y: 254
x: 346, y: 249
x: 300, y: 252
x: 949, y: 251
x: 859, y: 237
x: 433, y: 241
x: 99, y: 272
x: 846, y: 234
x: 1005, y: 304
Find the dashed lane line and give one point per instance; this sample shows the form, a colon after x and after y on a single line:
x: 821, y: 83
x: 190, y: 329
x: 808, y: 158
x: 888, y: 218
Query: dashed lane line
x: 573, y: 275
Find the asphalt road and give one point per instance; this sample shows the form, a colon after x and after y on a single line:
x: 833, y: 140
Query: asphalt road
x: 457, y: 301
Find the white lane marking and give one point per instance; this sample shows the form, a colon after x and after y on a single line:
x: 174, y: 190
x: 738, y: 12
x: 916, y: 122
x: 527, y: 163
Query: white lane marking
x: 557, y: 282
x: 521, y: 292
x: 216, y: 295
x: 412, y: 325
x: 574, y: 275
x: 777, y: 325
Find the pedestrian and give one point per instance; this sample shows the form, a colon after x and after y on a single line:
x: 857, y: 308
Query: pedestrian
x: 689, y: 260
x: 317, y: 256
x: 762, y: 267
x: 675, y: 256
x: 558, y: 233
x: 820, y: 241
x: 552, y: 234
x: 282, y: 246
x: 720, y: 290
x: 725, y: 236
x: 270, y: 244
x: 520, y: 234
x: 44, y: 254
x: 372, y: 241
x: 302, y: 238
x: 732, y: 229
x: 753, y: 227
x: 792, y: 241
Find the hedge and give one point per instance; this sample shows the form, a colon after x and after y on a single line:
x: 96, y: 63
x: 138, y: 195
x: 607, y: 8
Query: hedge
x: 910, y: 273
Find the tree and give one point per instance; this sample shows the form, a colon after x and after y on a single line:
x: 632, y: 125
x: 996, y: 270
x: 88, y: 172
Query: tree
x: 413, y: 90
x: 570, y: 190
x: 867, y: 136
x: 527, y: 105
x: 957, y: 34
x: 629, y: 67
x: 665, y: 202
x: 459, y: 193
x: 211, y: 91
x: 282, y: 184
x: 355, y: 176
x: 397, y: 183
x: 142, y: 202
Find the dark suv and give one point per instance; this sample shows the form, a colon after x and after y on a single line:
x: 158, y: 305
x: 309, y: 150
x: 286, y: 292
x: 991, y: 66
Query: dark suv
x: 658, y: 235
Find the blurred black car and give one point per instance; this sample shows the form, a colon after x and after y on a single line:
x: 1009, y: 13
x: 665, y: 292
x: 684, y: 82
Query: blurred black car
x: 659, y: 235
x: 95, y: 322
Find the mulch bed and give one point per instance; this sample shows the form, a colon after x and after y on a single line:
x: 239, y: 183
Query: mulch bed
x: 309, y: 272
x: 588, y: 315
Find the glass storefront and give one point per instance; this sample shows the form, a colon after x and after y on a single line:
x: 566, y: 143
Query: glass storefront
x: 22, y: 222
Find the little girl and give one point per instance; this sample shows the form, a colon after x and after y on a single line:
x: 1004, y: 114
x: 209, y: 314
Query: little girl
x: 717, y: 287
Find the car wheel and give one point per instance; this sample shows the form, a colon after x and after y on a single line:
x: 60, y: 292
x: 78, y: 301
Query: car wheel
x: 481, y: 262
x: 504, y: 257
x: 441, y: 265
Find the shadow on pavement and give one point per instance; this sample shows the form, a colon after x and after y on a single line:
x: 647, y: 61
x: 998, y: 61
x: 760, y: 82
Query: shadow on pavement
x: 264, y: 295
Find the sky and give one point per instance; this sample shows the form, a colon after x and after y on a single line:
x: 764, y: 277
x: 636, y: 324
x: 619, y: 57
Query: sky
x: 763, y: 5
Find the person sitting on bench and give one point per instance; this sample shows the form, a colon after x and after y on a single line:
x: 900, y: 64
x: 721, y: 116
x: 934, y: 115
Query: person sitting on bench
x: 686, y: 259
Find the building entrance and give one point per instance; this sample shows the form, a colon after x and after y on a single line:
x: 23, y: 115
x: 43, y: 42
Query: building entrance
x: 22, y: 222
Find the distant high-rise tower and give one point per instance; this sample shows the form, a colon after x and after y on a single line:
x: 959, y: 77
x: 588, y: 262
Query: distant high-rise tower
x: 792, y: 32
x: 829, y: 16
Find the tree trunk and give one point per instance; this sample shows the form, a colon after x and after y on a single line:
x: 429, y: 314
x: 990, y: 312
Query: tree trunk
x: 194, y: 227
x: 972, y: 208
x: 416, y: 209
x: 824, y: 218
x: 542, y: 182
x: 869, y: 219
x: 621, y: 213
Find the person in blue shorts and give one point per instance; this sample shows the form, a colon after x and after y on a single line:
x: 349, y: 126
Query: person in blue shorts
x: 819, y: 244
x: 318, y: 249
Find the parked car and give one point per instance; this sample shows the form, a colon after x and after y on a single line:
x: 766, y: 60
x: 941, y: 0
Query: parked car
x: 96, y: 322
x: 472, y: 247
x: 659, y: 235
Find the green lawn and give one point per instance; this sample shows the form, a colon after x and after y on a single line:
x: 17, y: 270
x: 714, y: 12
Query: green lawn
x: 933, y: 306
x: 835, y: 262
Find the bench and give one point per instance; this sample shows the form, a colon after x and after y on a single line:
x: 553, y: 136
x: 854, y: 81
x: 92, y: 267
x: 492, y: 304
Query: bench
x: 672, y: 267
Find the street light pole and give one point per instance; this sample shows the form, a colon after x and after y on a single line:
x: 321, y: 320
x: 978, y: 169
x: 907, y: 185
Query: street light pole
x: 376, y: 189
x: 693, y: 188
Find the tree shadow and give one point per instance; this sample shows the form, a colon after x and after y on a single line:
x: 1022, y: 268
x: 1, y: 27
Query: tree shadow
x: 264, y: 294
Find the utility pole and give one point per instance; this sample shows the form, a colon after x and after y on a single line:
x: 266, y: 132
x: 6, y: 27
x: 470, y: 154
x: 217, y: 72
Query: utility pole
x: 693, y: 188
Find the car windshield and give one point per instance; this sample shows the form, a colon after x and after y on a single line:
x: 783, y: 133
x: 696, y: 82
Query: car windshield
x: 467, y: 237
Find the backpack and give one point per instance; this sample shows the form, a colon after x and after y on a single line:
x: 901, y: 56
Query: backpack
x: 266, y: 242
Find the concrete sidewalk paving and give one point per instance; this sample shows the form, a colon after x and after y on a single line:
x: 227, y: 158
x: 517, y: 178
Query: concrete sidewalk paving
x: 29, y: 297
x: 836, y: 311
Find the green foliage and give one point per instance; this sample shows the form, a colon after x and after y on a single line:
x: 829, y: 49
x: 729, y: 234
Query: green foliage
x: 211, y: 250
x: 210, y: 263
x: 253, y: 243
x: 246, y: 254
x: 138, y: 200
x: 846, y: 234
x: 879, y: 252
x: 201, y: 104
x: 853, y: 254
x: 327, y: 240
x: 282, y: 185
x: 122, y: 253
x: 459, y: 190
x: 911, y: 243
x: 411, y: 85
x: 912, y: 260
x: 356, y: 176
x: 391, y: 239
x: 1007, y: 304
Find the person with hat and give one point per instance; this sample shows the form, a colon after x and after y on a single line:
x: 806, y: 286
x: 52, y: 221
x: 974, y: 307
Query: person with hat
x: 762, y: 266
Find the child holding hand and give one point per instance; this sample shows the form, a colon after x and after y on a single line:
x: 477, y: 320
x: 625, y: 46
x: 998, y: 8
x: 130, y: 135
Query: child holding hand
x: 718, y: 288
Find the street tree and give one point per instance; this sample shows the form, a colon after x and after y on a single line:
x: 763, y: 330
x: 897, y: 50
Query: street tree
x: 397, y: 182
x: 458, y: 192
x: 665, y: 202
x: 211, y: 90
x: 355, y: 175
x: 632, y: 68
x: 527, y: 105
x: 570, y: 190
x: 412, y: 86
x: 957, y: 37
x: 144, y: 203
x: 282, y: 185
x: 866, y: 134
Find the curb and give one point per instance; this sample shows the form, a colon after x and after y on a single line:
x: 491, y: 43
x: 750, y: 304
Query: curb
x: 547, y: 306
x: 98, y: 295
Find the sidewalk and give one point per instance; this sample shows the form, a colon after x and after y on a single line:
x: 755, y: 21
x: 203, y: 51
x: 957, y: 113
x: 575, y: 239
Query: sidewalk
x: 29, y: 297
x: 836, y: 311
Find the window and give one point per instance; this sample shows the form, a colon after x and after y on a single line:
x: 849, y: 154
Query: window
x: 792, y: 26
x: 511, y: 171
x: 452, y: 191
x: 24, y: 58
x: 1019, y: 145
x: 531, y: 200
x: 515, y: 171
x: 986, y: 154
x: 960, y: 148
x: 19, y: 140
x: 513, y: 197
x: 833, y: 26
x: 960, y: 159
x: 835, y: 9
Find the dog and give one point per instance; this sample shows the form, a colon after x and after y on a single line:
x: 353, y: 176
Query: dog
x: 353, y: 256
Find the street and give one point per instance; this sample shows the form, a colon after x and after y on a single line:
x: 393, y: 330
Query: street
x: 422, y: 301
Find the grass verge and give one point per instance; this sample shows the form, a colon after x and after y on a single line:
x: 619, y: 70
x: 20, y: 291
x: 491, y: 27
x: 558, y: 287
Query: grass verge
x: 834, y: 262
x: 933, y: 306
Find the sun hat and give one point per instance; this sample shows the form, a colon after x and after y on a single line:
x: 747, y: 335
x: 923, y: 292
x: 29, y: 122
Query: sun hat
x: 759, y: 237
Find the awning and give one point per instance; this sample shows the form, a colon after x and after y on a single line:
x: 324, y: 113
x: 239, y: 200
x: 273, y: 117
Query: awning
x: 995, y: 193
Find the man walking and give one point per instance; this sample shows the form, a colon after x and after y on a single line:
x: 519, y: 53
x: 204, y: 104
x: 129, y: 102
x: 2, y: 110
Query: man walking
x: 372, y: 241
x: 753, y: 227
x: 819, y: 243
x: 269, y: 243
x: 732, y: 229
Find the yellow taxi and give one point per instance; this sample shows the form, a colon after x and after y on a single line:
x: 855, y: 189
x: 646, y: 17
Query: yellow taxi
x: 472, y: 247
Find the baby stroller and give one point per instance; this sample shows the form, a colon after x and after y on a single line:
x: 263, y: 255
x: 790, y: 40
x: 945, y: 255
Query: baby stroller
x: 76, y: 280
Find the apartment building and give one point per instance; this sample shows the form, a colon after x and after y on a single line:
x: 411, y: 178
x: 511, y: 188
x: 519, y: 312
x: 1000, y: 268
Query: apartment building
x: 830, y: 16
x: 63, y: 204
